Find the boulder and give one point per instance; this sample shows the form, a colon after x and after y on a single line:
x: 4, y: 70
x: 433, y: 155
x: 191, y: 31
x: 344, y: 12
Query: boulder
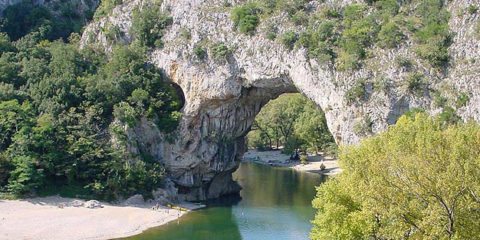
x: 134, y: 200
x: 93, y: 204
x: 77, y: 203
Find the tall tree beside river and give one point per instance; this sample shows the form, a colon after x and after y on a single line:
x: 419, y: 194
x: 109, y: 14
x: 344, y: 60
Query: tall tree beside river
x: 418, y: 180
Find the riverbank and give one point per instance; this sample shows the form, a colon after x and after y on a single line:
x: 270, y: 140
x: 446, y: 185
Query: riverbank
x: 277, y: 159
x: 73, y: 219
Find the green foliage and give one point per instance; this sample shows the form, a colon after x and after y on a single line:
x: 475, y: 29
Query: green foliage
x: 390, y: 35
x: 291, y: 121
x: 439, y: 100
x: 200, y: 52
x: 311, y: 127
x: 25, y: 177
x: 106, y: 6
x: 289, y: 39
x: 359, y: 33
x: 61, y: 108
x: 417, y: 180
x: 220, y: 51
x: 149, y: 24
x: 472, y: 9
x: 462, y: 100
x: 245, y: 18
x: 433, y: 35
x: 319, y: 40
x: 415, y: 84
x: 382, y: 84
x: 449, y: 116
x: 300, y: 18
x: 271, y: 33
x: 304, y: 159
x: 357, y: 92
x: 25, y: 17
x: 404, y: 62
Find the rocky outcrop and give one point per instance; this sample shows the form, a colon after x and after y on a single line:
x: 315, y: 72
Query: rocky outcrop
x: 222, y: 98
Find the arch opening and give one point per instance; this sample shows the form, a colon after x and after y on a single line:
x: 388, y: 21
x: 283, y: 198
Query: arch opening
x: 287, y: 123
x: 292, y: 124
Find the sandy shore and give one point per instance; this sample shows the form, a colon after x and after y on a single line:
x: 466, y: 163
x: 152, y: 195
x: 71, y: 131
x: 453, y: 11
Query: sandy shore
x: 277, y: 159
x: 56, y: 218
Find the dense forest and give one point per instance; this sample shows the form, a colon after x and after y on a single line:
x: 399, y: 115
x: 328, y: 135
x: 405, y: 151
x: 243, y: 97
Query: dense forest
x: 60, y: 106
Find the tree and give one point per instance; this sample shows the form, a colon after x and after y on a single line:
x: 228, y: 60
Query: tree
x: 418, y: 180
x: 291, y: 121
x: 311, y: 126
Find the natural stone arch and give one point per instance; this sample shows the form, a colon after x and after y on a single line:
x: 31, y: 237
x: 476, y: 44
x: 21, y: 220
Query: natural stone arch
x: 223, y: 97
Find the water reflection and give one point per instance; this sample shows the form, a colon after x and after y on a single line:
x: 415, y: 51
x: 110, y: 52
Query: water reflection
x: 275, y: 204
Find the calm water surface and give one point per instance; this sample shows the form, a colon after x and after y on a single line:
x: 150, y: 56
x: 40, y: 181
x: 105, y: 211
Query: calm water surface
x: 275, y: 204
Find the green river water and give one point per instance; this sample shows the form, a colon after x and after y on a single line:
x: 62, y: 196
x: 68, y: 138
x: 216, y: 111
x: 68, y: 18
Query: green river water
x: 275, y: 204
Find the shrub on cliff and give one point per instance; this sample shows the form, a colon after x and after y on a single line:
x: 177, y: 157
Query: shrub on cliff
x: 245, y: 18
x: 149, y: 24
x: 289, y: 39
x: 418, y: 180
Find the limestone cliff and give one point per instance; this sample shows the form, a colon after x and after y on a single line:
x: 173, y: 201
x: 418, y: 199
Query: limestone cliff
x: 223, y: 97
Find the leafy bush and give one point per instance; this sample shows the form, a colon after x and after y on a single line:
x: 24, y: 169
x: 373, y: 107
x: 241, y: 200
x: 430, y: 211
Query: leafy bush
x: 390, y: 35
x: 462, y: 100
x: 439, y: 100
x: 448, y: 116
x: 304, y: 159
x: 289, y: 39
x: 271, y: 32
x: 220, y: 51
x: 433, y: 35
x: 25, y: 177
x: 200, y: 52
x: 404, y: 62
x: 357, y: 92
x: 149, y: 24
x: 387, y: 184
x: 415, y: 84
x: 472, y: 9
x: 300, y: 18
x: 106, y: 6
x: 245, y: 18
x: 125, y: 113
x: 359, y: 33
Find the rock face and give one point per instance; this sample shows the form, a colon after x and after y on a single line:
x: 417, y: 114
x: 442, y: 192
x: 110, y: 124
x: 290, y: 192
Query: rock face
x: 222, y: 98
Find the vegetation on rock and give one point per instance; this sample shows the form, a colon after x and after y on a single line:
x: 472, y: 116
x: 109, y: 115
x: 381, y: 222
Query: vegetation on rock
x: 344, y: 34
x: 148, y: 25
x: 62, y: 107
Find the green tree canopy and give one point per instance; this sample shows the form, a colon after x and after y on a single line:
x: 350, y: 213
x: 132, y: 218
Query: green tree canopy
x: 418, y: 180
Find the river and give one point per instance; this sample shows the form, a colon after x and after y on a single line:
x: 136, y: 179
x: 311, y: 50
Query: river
x: 275, y: 204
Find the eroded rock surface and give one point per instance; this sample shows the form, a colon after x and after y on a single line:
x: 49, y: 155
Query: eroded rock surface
x: 222, y: 98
